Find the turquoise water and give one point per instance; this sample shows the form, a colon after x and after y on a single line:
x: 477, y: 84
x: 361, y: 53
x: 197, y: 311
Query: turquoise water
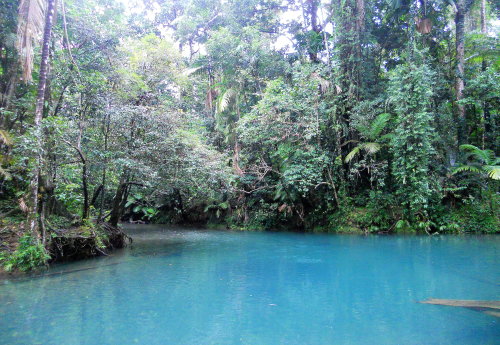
x: 215, y: 287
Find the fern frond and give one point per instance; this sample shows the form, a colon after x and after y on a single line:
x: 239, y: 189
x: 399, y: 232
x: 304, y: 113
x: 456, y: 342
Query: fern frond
x: 352, y: 154
x: 31, y: 21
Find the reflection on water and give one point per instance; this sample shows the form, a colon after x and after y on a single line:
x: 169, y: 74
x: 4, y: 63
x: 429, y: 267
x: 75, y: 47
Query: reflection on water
x: 212, y: 287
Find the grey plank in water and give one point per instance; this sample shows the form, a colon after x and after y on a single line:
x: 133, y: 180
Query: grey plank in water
x: 488, y: 307
x: 464, y: 303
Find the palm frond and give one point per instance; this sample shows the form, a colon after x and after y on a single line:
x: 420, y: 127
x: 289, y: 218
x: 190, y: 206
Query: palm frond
x: 371, y: 148
x: 6, y: 175
x: 324, y: 84
x: 225, y: 99
x: 475, y: 152
x: 378, y: 125
x: 196, y: 70
x: 387, y: 137
x: 493, y: 171
x: 490, y: 157
x: 29, y: 30
x: 469, y: 148
x: 5, y: 138
x: 466, y: 168
x: 352, y: 154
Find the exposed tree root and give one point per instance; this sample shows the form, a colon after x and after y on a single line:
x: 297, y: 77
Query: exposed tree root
x: 81, y: 243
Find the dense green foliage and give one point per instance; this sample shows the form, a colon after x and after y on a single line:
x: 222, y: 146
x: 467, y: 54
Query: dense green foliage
x: 27, y: 256
x: 262, y: 114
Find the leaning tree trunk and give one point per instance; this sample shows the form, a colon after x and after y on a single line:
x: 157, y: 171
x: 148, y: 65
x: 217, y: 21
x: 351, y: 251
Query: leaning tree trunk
x: 44, y: 64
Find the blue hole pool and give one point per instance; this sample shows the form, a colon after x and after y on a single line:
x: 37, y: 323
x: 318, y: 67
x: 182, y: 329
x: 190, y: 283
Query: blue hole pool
x: 174, y: 286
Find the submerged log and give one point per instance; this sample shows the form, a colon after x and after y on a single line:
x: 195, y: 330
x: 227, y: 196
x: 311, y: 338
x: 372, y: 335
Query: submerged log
x: 487, y: 307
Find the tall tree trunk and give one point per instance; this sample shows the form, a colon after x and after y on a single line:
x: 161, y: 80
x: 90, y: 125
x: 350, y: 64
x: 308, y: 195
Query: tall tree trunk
x: 484, y: 30
x: 105, y: 130
x: 360, y: 27
x: 486, y: 110
x: 33, y: 213
x: 360, y: 15
x: 462, y: 7
x: 81, y: 125
x: 86, y: 209
x: 313, y: 13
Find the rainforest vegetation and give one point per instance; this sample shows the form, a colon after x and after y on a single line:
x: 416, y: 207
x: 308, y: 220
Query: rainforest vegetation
x: 366, y: 116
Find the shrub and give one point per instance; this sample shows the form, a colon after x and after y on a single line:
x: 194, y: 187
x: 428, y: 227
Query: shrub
x: 28, y: 255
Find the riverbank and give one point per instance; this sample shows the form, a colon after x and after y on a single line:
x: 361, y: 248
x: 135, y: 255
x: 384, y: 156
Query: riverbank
x: 19, y: 252
x: 68, y: 241
x: 472, y: 216
x: 467, y: 218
